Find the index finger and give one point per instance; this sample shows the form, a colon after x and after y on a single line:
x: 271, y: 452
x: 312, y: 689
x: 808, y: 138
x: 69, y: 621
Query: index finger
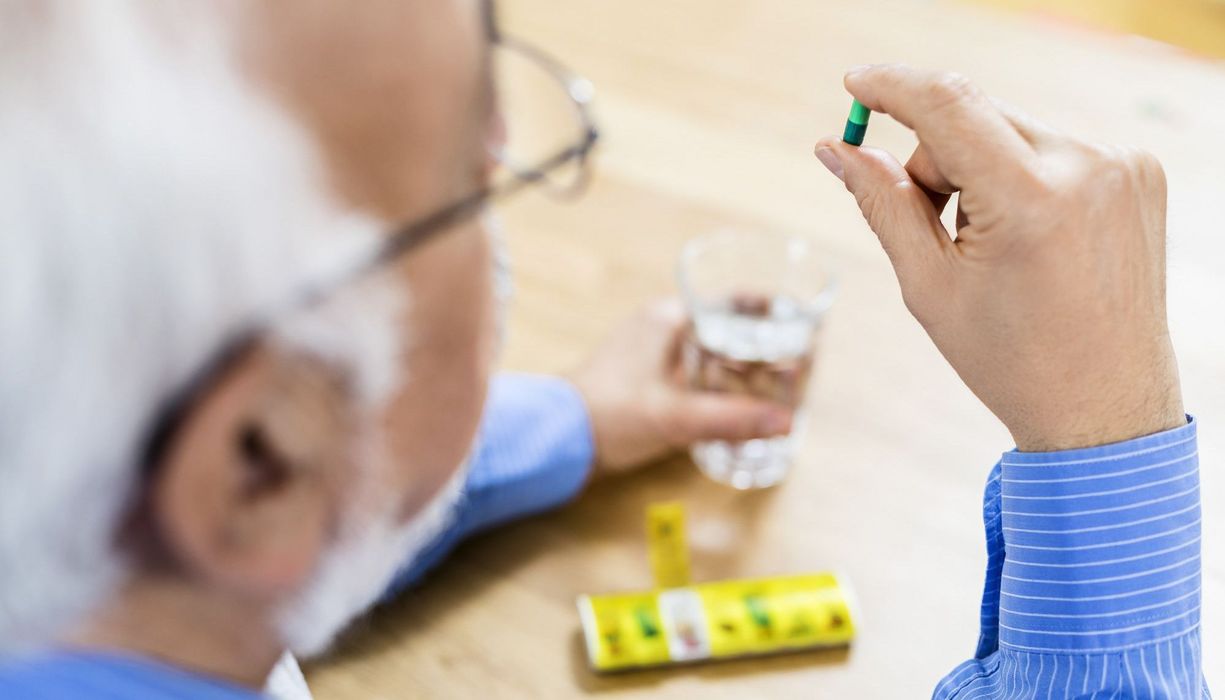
x: 963, y: 132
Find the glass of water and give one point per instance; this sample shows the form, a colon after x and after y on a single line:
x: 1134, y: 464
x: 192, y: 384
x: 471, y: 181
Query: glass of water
x: 756, y: 302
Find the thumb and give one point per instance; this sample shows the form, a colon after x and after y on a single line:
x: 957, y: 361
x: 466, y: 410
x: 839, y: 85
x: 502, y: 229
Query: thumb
x: 896, y: 208
x: 698, y: 415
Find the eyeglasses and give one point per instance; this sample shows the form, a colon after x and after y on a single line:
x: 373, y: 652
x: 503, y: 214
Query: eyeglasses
x: 551, y: 135
x: 539, y: 152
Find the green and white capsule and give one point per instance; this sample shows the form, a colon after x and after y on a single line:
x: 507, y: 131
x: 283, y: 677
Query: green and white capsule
x: 856, y: 124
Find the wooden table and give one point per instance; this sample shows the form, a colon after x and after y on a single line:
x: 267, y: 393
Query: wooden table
x: 711, y: 108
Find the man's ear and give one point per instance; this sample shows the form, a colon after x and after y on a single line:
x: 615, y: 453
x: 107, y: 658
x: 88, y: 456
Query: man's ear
x: 250, y: 488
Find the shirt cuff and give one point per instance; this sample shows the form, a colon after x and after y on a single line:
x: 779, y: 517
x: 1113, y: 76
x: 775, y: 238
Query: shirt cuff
x: 1102, y: 545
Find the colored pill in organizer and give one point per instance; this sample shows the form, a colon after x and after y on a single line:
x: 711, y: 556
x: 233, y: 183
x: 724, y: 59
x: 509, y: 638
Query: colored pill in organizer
x: 717, y: 620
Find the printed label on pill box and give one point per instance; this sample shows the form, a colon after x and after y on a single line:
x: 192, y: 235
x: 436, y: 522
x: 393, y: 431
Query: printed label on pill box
x: 716, y: 620
x: 685, y: 624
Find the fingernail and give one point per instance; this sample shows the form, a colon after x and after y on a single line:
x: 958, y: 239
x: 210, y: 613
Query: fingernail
x: 858, y: 69
x: 776, y: 423
x: 830, y: 160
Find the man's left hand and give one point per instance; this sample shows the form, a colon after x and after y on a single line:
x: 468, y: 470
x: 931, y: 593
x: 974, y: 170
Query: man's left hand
x: 640, y: 407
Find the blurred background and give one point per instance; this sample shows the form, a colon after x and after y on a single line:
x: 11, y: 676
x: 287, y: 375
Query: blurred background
x: 1197, y: 25
x: 710, y: 109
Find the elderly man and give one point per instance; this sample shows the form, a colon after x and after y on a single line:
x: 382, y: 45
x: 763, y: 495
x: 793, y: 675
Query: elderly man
x: 249, y: 309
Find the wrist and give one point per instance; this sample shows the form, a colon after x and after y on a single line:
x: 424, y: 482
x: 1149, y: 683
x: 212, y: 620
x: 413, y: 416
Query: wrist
x: 581, y: 388
x: 1102, y: 422
x: 1090, y: 436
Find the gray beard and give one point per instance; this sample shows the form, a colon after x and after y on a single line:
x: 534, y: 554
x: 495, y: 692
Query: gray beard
x: 355, y: 572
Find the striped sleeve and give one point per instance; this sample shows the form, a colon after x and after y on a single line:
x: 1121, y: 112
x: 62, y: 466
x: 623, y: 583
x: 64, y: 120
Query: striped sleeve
x: 1099, y: 591
x: 1102, y: 545
x: 535, y: 450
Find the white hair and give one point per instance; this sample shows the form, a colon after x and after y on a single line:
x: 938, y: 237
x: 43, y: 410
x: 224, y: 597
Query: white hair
x: 355, y: 571
x: 151, y: 205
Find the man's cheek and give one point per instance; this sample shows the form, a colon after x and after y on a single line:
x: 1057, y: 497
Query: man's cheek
x: 502, y: 278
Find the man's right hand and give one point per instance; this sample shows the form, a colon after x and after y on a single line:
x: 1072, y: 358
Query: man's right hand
x: 1050, y: 300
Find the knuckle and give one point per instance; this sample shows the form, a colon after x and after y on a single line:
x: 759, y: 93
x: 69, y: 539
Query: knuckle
x: 951, y: 89
x: 1121, y: 169
x: 681, y: 426
x: 1105, y: 174
x: 1100, y: 168
x: 1148, y: 168
x: 1081, y: 151
x: 1115, y: 159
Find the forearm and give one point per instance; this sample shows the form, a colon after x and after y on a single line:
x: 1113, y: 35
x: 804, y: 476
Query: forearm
x: 534, y: 453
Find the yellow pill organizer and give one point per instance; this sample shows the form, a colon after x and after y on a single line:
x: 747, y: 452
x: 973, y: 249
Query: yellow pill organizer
x: 680, y: 622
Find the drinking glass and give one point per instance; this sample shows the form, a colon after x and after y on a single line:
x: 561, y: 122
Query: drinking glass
x: 756, y: 301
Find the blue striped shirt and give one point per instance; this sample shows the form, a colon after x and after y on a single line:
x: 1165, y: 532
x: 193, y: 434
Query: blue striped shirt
x: 1093, y: 575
